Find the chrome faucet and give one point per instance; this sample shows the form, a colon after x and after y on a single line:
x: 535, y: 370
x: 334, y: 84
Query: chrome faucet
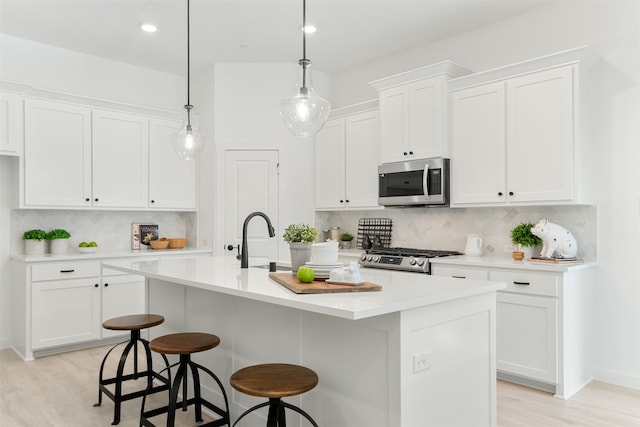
x: 244, y: 257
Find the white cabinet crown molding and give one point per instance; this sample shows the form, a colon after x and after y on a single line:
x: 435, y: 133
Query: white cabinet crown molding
x: 580, y: 54
x: 447, y: 68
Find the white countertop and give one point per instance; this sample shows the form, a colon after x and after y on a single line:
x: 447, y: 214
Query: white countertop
x: 508, y: 262
x: 401, y: 290
x: 99, y: 255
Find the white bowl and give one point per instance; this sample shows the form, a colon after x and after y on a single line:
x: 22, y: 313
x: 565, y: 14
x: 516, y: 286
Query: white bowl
x: 87, y: 250
x: 324, y: 253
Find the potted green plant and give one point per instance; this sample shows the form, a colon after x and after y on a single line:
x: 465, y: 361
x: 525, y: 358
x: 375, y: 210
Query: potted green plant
x: 34, y: 242
x: 59, y: 240
x: 299, y: 237
x: 345, y: 240
x: 522, y: 237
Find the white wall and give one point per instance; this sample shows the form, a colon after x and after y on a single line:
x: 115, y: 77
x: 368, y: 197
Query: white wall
x: 612, y: 30
x: 247, y: 117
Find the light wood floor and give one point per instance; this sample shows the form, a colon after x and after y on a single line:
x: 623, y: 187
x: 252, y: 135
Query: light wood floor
x: 60, y: 390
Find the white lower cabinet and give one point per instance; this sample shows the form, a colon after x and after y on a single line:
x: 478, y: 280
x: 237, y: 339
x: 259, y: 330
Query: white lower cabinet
x: 122, y: 295
x: 65, y: 303
x: 544, y: 329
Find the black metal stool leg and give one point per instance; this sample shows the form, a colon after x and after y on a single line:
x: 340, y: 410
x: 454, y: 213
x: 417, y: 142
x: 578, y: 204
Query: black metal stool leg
x: 117, y: 402
x: 274, y: 408
x: 100, y: 376
x: 298, y: 410
x: 173, y: 395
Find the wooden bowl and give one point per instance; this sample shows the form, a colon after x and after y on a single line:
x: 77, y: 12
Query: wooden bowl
x: 518, y: 255
x: 177, y: 243
x: 159, y: 244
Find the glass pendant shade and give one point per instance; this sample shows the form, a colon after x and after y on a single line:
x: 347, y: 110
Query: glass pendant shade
x: 188, y: 142
x: 305, y: 112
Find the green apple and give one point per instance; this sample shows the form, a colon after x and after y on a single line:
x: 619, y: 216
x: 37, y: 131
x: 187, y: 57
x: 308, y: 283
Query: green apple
x: 83, y: 245
x: 306, y: 274
x: 93, y: 245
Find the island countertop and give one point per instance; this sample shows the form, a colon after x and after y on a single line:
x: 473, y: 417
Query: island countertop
x: 400, y: 290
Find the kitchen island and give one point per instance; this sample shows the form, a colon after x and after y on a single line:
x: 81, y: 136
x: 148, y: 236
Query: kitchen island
x: 420, y: 352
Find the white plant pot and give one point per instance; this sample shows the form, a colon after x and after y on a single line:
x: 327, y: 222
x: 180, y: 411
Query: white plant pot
x: 34, y: 247
x: 59, y: 246
x: 300, y: 254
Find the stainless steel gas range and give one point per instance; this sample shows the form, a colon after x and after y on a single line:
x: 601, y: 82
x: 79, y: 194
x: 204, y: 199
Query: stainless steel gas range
x: 404, y: 259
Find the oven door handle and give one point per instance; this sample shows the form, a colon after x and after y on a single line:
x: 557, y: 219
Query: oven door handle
x: 425, y: 183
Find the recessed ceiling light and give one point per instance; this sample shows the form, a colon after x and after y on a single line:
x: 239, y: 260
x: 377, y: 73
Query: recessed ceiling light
x: 148, y: 27
x: 309, y: 29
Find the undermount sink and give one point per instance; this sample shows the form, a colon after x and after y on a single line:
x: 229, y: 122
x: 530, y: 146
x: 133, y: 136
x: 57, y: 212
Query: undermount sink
x: 279, y: 267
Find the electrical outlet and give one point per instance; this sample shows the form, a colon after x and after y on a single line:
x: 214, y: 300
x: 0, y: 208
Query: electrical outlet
x: 421, y: 361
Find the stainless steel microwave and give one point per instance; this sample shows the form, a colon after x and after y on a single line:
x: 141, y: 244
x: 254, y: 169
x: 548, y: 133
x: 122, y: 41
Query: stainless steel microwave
x: 421, y: 182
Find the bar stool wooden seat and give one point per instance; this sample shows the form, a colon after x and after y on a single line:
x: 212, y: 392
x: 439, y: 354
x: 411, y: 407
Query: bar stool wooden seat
x: 275, y: 381
x: 185, y: 344
x: 133, y: 323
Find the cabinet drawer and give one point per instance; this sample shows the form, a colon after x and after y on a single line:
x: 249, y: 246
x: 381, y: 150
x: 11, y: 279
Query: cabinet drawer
x: 527, y: 282
x: 459, y: 272
x: 64, y: 270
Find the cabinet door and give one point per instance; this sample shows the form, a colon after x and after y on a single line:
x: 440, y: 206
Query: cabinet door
x: 540, y: 136
x: 527, y: 336
x: 478, y: 145
x: 11, y: 123
x: 425, y: 118
x: 394, y: 104
x: 173, y: 183
x: 362, y: 159
x: 57, y: 154
x: 64, y: 312
x: 122, y: 295
x: 330, y: 165
x: 120, y: 160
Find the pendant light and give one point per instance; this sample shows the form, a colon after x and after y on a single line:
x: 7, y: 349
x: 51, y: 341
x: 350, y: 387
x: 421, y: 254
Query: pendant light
x: 188, y: 142
x: 305, y: 112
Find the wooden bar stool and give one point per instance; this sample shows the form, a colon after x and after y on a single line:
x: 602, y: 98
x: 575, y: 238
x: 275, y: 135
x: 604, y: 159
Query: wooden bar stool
x: 275, y: 381
x: 133, y: 323
x: 184, y: 344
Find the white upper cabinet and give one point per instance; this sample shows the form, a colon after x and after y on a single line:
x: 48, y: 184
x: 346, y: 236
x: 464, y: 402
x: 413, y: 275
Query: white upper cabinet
x: 11, y: 124
x: 82, y: 157
x: 347, y: 154
x: 413, y: 112
x: 57, y: 154
x: 516, y: 134
x: 120, y: 159
x: 172, y: 182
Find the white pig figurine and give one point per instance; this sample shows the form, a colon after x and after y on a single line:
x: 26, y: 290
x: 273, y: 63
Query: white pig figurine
x: 557, y: 241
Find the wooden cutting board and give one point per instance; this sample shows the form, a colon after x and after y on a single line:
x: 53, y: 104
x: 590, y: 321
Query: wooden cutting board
x: 292, y: 283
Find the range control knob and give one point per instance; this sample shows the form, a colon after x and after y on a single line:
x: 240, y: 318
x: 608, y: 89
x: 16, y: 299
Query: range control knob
x: 376, y: 258
x: 363, y: 257
x: 369, y: 257
x: 420, y: 262
x: 412, y: 261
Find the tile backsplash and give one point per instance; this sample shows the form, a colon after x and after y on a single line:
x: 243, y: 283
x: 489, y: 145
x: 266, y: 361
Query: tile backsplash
x: 447, y: 229
x: 110, y: 229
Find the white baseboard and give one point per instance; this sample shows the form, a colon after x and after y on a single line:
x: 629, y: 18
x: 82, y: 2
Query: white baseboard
x: 617, y: 378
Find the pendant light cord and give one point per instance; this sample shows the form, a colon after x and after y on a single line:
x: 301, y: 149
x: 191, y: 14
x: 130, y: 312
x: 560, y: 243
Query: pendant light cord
x: 304, y: 62
x: 188, y: 107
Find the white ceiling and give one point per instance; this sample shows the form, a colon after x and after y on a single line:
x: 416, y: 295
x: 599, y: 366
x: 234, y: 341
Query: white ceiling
x: 350, y: 32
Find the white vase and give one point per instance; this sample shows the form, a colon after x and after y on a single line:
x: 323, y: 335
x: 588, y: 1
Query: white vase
x: 34, y: 247
x: 300, y: 253
x: 59, y: 246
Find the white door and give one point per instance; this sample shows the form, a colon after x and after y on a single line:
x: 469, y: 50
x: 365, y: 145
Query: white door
x: 251, y: 184
x: 120, y: 160
x: 393, y: 123
x: 540, y: 136
x: 425, y: 118
x: 172, y: 182
x: 122, y: 295
x: 362, y: 159
x: 478, y: 144
x: 330, y: 165
x: 57, y: 154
